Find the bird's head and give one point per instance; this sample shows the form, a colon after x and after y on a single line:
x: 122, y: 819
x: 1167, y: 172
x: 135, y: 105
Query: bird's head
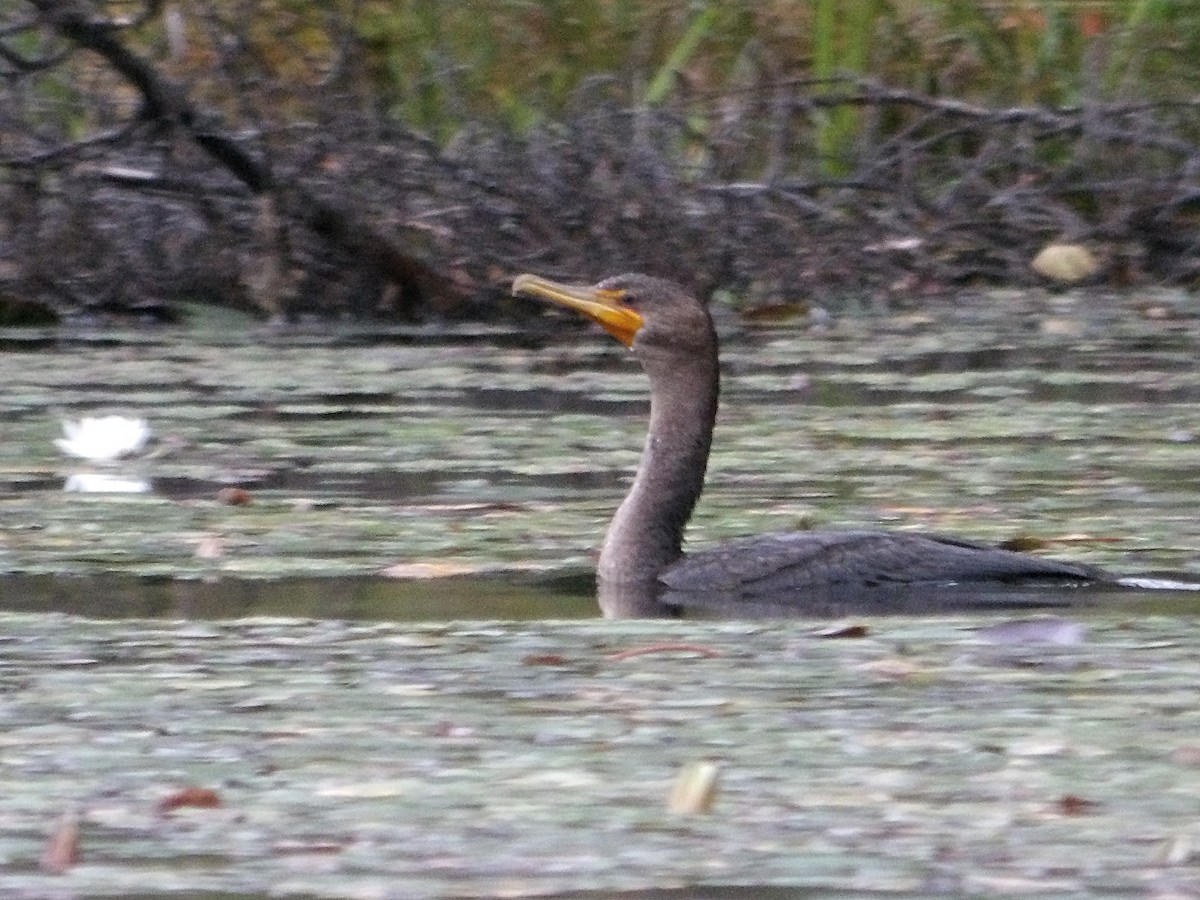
x: 642, y: 312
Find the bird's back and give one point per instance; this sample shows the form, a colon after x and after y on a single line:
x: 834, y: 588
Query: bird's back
x: 823, y: 571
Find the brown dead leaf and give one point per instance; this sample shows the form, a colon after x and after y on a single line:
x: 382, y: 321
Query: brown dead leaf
x: 1074, y: 805
x: 234, y: 496
x: 543, y: 659
x: 62, y: 849
x: 198, y: 797
x: 847, y: 630
x: 1023, y: 543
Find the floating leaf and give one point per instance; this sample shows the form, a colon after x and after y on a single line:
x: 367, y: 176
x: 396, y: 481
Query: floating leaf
x: 854, y: 630
x: 1074, y: 805
x: 695, y: 789
x: 543, y: 659
x: 198, y: 797
x: 234, y: 496
x: 62, y: 849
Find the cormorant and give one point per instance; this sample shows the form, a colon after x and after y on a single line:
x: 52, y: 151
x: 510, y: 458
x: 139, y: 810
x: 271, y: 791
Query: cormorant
x: 642, y: 569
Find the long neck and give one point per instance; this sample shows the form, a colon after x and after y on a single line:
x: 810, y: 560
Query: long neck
x: 646, y: 533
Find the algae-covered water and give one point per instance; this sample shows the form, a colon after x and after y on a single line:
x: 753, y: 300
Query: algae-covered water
x: 365, y: 760
x: 1071, y: 421
x: 338, y: 606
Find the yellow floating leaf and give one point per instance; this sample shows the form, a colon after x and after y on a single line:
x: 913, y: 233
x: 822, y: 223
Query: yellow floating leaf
x: 695, y: 789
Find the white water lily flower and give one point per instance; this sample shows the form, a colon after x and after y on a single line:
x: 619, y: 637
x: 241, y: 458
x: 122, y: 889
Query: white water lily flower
x: 104, y: 438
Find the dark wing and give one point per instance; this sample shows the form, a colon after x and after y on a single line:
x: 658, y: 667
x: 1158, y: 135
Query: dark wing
x: 788, y: 568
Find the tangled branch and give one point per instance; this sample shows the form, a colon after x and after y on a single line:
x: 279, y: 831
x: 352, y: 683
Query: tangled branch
x: 336, y: 210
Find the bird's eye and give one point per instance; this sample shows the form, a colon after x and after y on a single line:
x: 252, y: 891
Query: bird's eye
x: 631, y: 300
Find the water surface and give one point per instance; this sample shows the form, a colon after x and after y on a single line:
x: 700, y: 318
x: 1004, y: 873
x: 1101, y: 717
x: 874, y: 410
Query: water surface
x: 324, y: 658
x: 1070, y: 421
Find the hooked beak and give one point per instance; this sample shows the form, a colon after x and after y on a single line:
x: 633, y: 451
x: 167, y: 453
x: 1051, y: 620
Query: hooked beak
x: 601, y: 306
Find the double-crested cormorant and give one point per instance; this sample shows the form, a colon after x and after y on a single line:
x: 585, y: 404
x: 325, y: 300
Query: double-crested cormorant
x: 642, y: 569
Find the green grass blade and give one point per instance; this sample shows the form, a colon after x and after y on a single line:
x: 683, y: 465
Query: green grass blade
x: 664, y: 79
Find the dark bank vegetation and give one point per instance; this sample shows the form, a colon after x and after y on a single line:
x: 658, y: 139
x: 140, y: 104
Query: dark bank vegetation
x: 405, y: 159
